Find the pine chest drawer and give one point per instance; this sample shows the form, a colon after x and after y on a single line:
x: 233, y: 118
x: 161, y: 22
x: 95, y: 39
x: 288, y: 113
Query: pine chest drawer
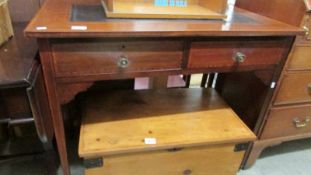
x: 196, y: 161
x: 142, y: 134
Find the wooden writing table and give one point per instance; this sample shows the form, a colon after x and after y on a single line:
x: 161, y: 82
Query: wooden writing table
x: 73, y: 60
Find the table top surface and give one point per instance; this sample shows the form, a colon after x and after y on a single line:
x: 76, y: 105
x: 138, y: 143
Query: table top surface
x: 17, y: 59
x: 55, y: 20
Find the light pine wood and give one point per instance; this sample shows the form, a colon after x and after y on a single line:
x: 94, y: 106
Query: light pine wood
x: 6, y: 29
x: 300, y: 58
x: 200, y: 161
x: 196, y: 9
x: 118, y: 122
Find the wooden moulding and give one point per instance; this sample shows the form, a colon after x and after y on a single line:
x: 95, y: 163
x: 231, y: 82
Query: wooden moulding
x: 117, y: 122
x: 6, y: 29
x: 195, y: 9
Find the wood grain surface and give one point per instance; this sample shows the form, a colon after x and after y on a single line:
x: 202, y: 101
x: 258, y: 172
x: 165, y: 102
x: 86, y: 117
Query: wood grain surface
x: 243, y: 23
x: 199, y: 160
x: 281, y: 121
x: 294, y: 89
x: 118, y: 122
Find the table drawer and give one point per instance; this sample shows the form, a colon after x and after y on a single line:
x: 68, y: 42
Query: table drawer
x: 300, y: 58
x: 236, y: 53
x: 199, y: 161
x: 295, y: 88
x: 287, y: 121
x: 90, y: 57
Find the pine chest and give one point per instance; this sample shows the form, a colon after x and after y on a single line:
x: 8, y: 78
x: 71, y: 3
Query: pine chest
x: 186, y: 131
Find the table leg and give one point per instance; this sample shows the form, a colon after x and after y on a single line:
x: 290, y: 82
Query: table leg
x: 55, y: 107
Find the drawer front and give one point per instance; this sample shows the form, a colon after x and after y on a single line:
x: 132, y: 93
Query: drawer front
x: 288, y: 121
x: 109, y: 57
x: 300, y: 58
x: 227, y: 54
x: 199, y: 161
x: 295, y: 88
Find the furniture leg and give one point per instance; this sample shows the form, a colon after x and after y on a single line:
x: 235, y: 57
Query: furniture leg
x: 204, y: 80
x: 210, y: 79
x: 256, y: 150
x: 187, y: 79
x: 54, y: 104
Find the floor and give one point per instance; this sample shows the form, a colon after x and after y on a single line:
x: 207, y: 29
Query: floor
x: 292, y: 158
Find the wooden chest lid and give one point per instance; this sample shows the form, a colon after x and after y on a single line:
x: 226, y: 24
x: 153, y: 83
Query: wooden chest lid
x: 123, y: 121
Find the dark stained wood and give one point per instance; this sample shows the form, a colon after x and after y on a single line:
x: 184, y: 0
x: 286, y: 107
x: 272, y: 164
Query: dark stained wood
x: 211, y: 79
x: 67, y: 92
x: 76, y: 58
x: 40, y: 108
x: 300, y: 58
x: 54, y: 103
x: 20, y: 110
x: 14, y: 104
x: 58, y: 25
x: 245, y: 93
x: 281, y: 121
x: 288, y: 11
x: 204, y: 80
x: 221, y: 53
x: 294, y: 89
x: 17, y: 59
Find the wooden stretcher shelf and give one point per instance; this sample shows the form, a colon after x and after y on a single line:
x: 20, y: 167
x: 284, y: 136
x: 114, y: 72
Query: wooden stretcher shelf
x: 191, y: 9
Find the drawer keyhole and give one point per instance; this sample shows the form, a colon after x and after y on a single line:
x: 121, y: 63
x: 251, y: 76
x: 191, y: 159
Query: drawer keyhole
x: 123, y: 62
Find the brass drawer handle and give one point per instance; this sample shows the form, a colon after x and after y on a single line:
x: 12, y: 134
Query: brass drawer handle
x: 307, y: 30
x: 123, y: 62
x: 309, y: 88
x: 301, y: 124
x: 239, y: 57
